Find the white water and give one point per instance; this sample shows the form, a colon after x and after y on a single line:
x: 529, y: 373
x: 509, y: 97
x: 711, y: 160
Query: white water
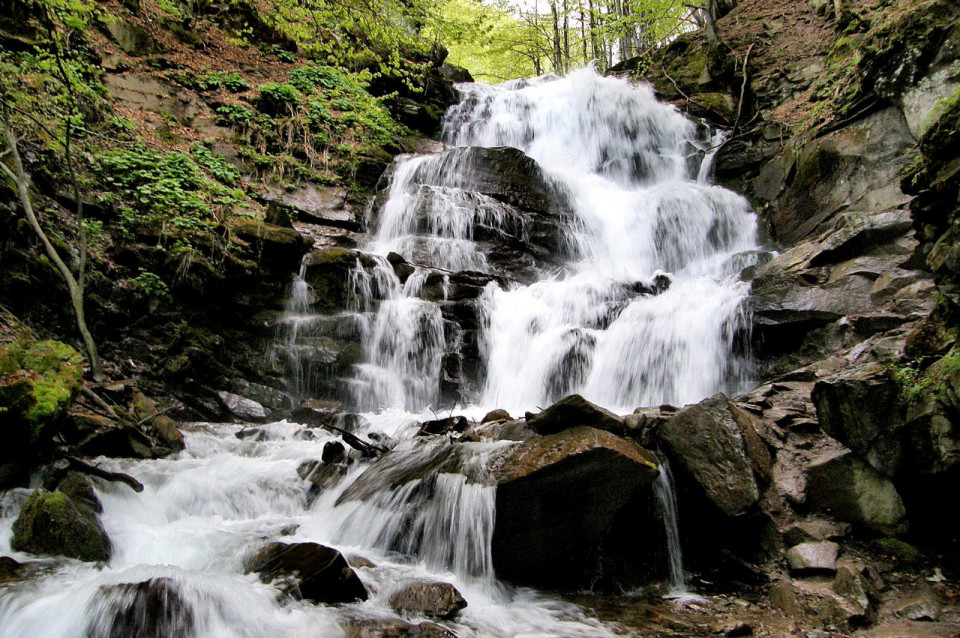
x: 630, y: 169
x: 641, y: 207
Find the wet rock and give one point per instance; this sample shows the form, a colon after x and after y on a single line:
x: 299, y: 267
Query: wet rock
x: 855, y: 168
x: 270, y: 398
x: 334, y: 452
x: 10, y: 570
x: 244, y: 409
x: 575, y: 411
x: 316, y: 412
x: 279, y: 248
x: 449, y: 425
x: 150, y: 608
x: 813, y: 558
x: 309, y: 571
x: 435, y: 600
x: 557, y: 496
x: 717, y: 445
x: 312, y: 204
x: 53, y: 523
x: 516, y: 431
x: 393, y: 628
x: 860, y: 408
x: 851, y: 490
x: 78, y: 487
x: 496, y: 415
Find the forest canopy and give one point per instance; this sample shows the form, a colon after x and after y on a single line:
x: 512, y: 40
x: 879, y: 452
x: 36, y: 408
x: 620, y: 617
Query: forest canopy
x: 499, y: 40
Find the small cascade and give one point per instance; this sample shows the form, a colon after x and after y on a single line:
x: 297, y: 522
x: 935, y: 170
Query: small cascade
x: 667, y: 509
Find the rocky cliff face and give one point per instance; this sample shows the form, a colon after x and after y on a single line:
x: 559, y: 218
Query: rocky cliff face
x: 844, y: 137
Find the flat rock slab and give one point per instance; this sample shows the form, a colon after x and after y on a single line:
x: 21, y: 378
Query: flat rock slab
x: 812, y: 558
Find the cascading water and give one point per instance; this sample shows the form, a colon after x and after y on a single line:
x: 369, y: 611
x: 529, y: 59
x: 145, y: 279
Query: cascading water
x: 646, y: 308
x: 667, y: 509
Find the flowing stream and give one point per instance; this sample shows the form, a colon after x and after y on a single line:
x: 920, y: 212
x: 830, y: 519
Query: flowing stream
x: 641, y: 305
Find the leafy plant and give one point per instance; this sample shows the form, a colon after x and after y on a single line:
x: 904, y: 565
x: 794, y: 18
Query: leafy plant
x: 276, y: 98
x: 150, y: 284
x: 234, y: 115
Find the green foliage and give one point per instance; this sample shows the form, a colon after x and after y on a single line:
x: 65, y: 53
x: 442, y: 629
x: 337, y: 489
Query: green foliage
x: 234, y: 115
x: 233, y: 82
x: 150, y: 285
x: 219, y: 168
x: 277, y: 99
x: 169, y: 192
x: 384, y: 37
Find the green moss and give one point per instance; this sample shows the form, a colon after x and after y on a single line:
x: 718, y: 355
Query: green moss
x: 53, y: 523
x: 39, y: 381
x: 897, y: 549
x: 918, y: 381
x: 939, y: 142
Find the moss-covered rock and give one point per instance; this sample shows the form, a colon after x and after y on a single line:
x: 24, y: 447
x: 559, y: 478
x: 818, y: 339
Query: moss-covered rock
x: 53, y: 523
x: 38, y: 382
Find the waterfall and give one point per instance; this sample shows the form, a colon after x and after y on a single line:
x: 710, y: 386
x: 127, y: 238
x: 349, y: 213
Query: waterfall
x: 667, y: 509
x: 643, y: 221
x: 615, y: 275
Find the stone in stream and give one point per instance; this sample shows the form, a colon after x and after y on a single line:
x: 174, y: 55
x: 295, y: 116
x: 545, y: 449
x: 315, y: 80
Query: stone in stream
x: 435, y: 600
x: 573, y: 411
x: 152, y: 609
x: 309, y: 571
x: 246, y: 409
x: 393, y: 628
x: 53, y: 523
x: 557, y: 499
x: 453, y: 424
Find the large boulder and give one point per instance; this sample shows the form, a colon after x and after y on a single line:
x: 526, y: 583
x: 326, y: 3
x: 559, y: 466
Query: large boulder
x: 860, y: 407
x: 840, y: 483
x: 717, y: 445
x: 574, y: 411
x: 557, y: 498
x: 309, y: 571
x: 38, y: 382
x: 153, y: 607
x: 53, y: 523
x: 435, y: 600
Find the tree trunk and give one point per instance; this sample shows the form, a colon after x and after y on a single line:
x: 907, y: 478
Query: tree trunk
x: 710, y: 20
x: 73, y: 288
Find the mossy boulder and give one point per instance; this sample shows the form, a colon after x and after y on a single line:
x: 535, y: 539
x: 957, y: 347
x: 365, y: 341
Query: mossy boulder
x: 53, y: 523
x: 38, y: 382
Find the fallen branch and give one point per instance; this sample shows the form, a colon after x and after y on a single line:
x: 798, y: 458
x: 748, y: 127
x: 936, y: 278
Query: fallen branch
x: 365, y: 448
x: 96, y: 398
x: 83, y: 467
